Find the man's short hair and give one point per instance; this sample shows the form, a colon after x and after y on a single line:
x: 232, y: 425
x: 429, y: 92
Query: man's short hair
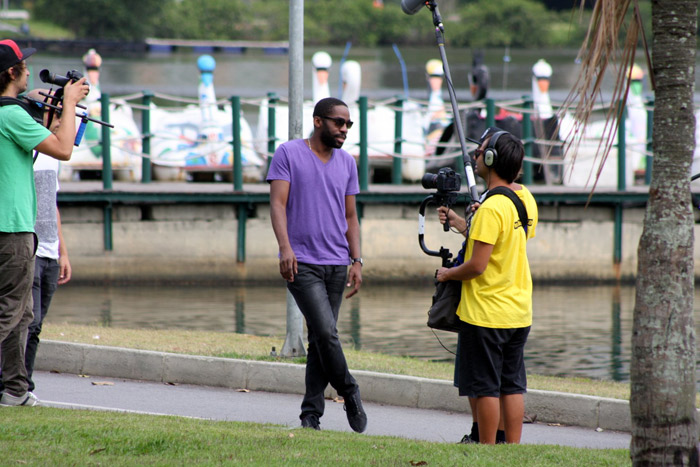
x: 325, y: 106
x: 511, y: 153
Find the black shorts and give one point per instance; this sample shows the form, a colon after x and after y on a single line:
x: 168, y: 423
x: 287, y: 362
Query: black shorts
x: 490, y: 361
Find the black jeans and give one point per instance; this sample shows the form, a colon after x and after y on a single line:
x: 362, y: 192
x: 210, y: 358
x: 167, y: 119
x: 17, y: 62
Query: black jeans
x: 318, y: 291
x: 45, y: 283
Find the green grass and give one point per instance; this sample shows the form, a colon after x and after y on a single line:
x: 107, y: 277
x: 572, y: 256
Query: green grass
x: 47, y: 436
x: 43, y: 29
x: 231, y: 345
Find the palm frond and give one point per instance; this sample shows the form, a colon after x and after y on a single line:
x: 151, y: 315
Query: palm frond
x: 601, y: 50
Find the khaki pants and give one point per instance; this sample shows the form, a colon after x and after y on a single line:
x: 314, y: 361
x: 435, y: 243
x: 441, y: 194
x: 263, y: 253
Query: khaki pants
x: 16, y: 277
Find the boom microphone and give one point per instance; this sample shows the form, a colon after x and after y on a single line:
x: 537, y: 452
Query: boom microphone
x: 411, y: 7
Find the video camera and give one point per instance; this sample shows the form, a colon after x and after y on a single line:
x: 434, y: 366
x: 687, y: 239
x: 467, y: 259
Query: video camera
x: 445, y: 181
x: 52, y: 78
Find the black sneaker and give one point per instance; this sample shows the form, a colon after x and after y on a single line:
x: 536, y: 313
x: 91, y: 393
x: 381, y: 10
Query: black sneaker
x: 356, y: 414
x: 473, y: 437
x: 500, y: 437
x: 311, y: 421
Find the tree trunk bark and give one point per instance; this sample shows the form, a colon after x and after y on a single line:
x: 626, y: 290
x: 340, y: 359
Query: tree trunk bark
x: 662, y: 373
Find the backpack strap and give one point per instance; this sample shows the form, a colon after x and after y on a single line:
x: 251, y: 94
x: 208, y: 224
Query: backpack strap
x: 32, y: 107
x: 519, y: 206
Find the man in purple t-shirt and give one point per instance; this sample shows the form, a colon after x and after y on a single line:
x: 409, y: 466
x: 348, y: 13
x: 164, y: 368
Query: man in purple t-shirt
x: 313, y: 184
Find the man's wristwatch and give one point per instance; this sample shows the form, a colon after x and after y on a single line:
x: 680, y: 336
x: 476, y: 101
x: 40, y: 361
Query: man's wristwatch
x: 357, y: 260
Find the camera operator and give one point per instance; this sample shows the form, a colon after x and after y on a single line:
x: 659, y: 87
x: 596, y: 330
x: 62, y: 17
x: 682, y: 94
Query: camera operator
x: 20, y: 134
x: 496, y: 304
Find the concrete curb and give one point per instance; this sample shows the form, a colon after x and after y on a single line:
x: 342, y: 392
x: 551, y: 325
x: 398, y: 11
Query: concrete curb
x: 397, y: 390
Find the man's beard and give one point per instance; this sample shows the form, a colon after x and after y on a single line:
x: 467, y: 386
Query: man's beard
x: 329, y: 140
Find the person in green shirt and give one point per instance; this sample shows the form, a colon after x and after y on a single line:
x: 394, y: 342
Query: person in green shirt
x: 20, y: 134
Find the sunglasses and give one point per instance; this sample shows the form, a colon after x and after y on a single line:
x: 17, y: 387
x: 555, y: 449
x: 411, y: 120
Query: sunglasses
x: 477, y: 152
x: 339, y: 122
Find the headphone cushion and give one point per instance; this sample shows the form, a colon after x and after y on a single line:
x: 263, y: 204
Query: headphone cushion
x: 490, y: 154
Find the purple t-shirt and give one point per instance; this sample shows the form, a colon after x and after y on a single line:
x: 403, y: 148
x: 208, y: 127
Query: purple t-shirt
x: 316, y: 222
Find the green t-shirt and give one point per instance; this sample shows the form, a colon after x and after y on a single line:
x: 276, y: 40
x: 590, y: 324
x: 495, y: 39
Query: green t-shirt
x: 19, y: 135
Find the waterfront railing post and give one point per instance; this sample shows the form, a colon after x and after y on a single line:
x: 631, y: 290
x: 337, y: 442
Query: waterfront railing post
x: 490, y: 113
x: 617, y: 239
x: 621, y: 185
x: 106, y: 144
x: 237, y: 160
x: 146, y: 137
x: 242, y: 214
x: 649, y: 145
x: 271, y: 126
x: 364, y: 159
x: 106, y: 171
x: 528, y: 140
x: 398, y: 140
x: 621, y: 148
x: 107, y: 227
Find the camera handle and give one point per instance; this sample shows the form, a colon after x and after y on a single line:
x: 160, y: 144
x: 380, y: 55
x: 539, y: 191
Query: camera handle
x: 456, y: 120
x: 440, y: 199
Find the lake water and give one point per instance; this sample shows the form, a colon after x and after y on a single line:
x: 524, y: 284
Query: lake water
x: 577, y: 331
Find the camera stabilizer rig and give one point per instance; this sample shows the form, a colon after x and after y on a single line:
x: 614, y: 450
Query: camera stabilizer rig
x: 447, y: 182
x: 52, y: 101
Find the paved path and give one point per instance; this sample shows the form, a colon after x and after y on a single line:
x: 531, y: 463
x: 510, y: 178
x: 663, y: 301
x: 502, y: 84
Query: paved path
x: 105, y: 393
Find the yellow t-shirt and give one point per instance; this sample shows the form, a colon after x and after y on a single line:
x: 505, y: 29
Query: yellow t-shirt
x: 501, y: 297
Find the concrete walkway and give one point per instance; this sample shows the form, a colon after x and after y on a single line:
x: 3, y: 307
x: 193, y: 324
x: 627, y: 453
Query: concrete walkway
x: 395, y: 390
x: 65, y: 390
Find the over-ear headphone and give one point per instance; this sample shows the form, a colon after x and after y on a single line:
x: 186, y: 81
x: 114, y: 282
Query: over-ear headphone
x: 490, y: 153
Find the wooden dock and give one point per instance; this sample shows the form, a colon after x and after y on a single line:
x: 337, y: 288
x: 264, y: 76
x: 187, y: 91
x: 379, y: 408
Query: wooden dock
x: 172, y: 192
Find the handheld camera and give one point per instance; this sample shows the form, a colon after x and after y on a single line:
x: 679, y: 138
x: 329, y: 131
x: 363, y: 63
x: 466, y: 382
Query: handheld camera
x: 445, y: 181
x: 52, y: 78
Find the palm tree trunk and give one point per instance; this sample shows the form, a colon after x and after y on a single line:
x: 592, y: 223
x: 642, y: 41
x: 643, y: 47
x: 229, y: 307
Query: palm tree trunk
x: 662, y: 373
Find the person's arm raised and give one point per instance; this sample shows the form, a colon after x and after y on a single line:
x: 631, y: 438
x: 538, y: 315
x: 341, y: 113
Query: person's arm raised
x: 59, y: 145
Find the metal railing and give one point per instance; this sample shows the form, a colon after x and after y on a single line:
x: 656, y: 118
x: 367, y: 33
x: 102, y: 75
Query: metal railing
x: 450, y: 150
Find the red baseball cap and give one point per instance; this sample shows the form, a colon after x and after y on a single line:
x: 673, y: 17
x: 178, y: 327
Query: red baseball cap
x: 11, y: 54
